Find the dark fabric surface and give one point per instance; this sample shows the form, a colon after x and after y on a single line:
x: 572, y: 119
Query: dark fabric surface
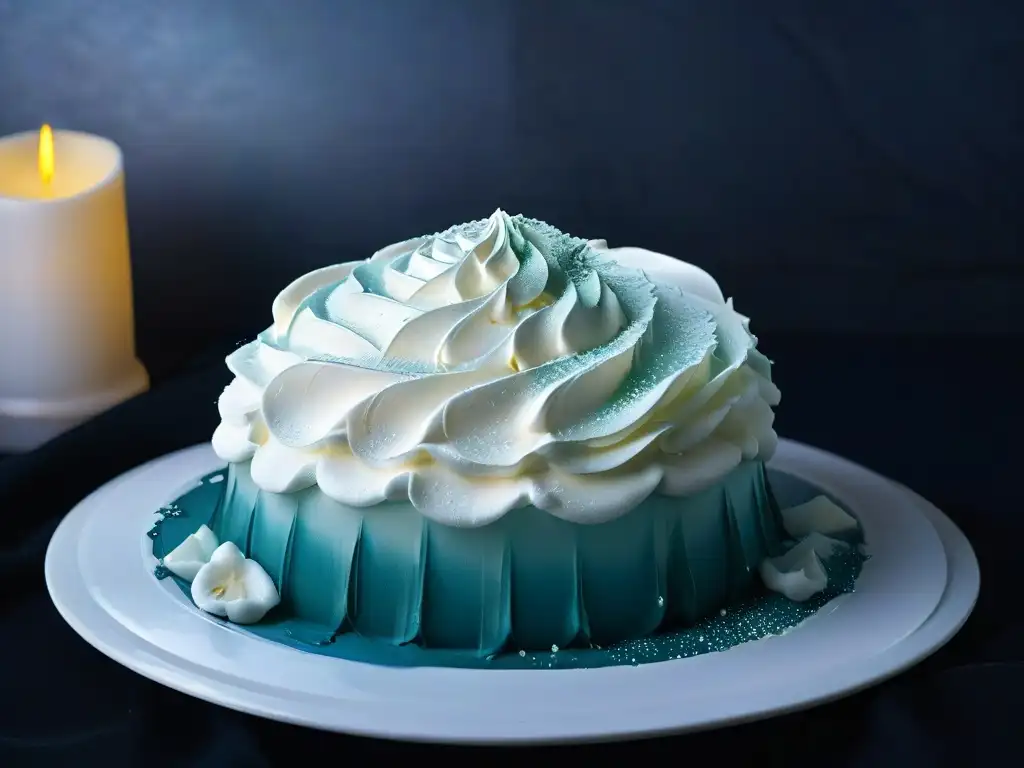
x: 935, y: 413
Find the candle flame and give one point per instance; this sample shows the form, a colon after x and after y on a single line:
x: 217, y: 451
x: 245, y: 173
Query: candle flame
x: 46, y: 154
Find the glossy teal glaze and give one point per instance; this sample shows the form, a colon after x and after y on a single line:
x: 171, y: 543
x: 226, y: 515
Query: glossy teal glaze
x: 528, y: 581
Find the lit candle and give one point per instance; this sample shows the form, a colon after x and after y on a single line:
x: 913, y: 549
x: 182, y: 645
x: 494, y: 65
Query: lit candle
x: 67, y: 344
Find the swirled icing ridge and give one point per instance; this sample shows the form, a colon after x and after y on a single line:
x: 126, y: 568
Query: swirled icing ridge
x: 499, y: 364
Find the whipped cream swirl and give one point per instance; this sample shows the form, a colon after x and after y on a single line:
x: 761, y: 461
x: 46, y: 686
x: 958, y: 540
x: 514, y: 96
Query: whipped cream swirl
x: 499, y: 364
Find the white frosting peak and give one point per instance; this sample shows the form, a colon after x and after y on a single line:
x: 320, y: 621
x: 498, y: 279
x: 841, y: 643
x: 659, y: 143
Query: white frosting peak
x: 495, y: 365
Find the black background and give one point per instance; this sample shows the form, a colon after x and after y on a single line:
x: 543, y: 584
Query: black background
x: 839, y: 165
x: 852, y: 172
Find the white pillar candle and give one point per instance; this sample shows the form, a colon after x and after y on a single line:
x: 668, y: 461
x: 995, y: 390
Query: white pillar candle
x: 67, y: 345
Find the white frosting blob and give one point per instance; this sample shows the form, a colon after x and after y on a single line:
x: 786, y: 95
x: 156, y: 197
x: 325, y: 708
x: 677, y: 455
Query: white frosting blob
x: 819, y: 515
x: 496, y: 365
x: 193, y: 553
x: 799, y: 573
x: 232, y: 586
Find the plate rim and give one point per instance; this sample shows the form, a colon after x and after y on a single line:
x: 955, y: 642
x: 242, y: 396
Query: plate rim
x: 948, y: 616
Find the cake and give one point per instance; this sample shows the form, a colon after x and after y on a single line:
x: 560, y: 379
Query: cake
x: 496, y: 438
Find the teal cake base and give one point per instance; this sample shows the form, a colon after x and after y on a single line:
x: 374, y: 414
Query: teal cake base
x: 674, y: 607
x: 529, y: 581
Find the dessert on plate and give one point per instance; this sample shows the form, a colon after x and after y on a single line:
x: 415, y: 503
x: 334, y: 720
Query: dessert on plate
x: 495, y: 438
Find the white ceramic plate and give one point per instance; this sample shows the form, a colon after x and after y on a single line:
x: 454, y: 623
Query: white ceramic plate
x: 914, y: 593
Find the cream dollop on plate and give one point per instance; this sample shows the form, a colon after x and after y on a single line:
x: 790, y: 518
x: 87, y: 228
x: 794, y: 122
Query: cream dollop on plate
x: 234, y: 587
x: 193, y: 553
x: 800, y: 573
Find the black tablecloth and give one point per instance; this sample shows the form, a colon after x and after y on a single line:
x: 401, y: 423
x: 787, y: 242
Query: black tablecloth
x: 938, y: 414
